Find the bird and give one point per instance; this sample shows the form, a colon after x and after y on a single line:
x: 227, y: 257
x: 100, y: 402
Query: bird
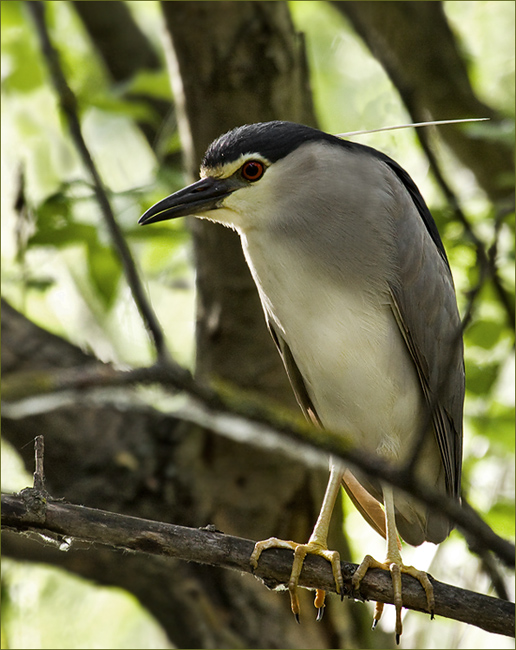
x: 358, y: 295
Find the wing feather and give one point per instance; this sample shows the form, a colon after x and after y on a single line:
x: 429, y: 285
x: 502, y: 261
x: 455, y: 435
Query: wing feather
x: 294, y: 375
x: 425, y: 308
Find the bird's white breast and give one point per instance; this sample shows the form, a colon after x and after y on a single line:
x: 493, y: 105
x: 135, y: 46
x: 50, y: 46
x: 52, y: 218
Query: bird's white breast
x: 346, y: 343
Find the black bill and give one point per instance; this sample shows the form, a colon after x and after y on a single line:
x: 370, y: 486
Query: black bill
x: 206, y: 194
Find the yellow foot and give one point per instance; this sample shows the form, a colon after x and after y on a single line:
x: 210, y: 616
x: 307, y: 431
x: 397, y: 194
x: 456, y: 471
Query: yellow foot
x: 396, y: 568
x: 300, y: 552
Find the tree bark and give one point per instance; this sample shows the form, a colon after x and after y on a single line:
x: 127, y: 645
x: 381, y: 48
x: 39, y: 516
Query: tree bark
x: 230, y: 64
x: 32, y: 511
x: 135, y: 461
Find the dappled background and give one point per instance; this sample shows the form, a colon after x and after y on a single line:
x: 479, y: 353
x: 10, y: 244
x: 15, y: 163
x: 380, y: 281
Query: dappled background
x: 368, y: 65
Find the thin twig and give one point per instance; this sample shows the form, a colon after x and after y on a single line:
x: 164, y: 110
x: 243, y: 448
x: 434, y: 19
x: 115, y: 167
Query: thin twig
x: 489, y: 564
x: 68, y: 103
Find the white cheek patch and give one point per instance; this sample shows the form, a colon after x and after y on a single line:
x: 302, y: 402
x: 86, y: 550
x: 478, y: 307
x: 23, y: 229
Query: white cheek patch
x: 250, y: 207
x: 224, y: 216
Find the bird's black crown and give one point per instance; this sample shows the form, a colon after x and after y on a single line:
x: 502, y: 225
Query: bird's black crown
x: 272, y: 140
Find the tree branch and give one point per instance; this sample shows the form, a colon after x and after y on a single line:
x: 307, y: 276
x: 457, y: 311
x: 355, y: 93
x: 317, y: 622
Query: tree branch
x: 434, y: 84
x: 30, y: 511
x: 235, y: 415
x: 68, y: 104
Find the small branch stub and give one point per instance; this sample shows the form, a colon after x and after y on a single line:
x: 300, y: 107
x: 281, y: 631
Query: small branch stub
x: 39, y: 472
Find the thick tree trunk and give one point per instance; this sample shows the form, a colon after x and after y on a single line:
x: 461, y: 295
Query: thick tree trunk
x: 231, y: 64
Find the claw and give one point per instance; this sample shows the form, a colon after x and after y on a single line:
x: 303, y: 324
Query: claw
x: 317, y: 545
x: 300, y: 552
x: 395, y: 568
x: 294, y: 602
x: 296, y: 616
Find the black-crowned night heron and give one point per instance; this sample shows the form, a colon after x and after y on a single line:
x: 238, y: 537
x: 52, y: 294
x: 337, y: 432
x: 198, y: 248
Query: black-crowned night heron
x: 359, y: 299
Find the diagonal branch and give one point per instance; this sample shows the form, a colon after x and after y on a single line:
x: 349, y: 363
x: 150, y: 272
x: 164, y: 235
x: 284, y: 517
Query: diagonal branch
x: 31, y: 512
x: 237, y: 416
x: 68, y: 104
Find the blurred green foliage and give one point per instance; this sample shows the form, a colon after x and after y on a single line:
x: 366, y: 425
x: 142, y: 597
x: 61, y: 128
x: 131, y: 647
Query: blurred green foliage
x: 58, y: 265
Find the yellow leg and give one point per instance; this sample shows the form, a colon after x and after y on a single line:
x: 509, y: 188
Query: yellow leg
x: 317, y: 545
x: 395, y: 566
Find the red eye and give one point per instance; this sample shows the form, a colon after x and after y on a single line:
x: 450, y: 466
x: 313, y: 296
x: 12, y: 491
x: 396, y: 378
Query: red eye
x: 252, y: 170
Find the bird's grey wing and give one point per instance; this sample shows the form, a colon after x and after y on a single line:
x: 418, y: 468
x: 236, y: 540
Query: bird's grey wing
x: 425, y: 309
x: 294, y: 375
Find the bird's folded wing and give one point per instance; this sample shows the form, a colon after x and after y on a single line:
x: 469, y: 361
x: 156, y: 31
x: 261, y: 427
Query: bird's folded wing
x: 294, y: 375
x: 425, y: 308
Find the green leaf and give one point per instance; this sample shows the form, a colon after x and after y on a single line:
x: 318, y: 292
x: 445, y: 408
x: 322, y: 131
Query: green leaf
x: 55, y: 208
x: 22, y: 68
x: 496, y: 424
x: 119, y: 106
x: 61, y: 234
x: 485, y: 333
x: 155, y: 83
x: 501, y: 419
x: 104, y: 271
x: 40, y: 284
x: 501, y: 518
x: 480, y: 377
